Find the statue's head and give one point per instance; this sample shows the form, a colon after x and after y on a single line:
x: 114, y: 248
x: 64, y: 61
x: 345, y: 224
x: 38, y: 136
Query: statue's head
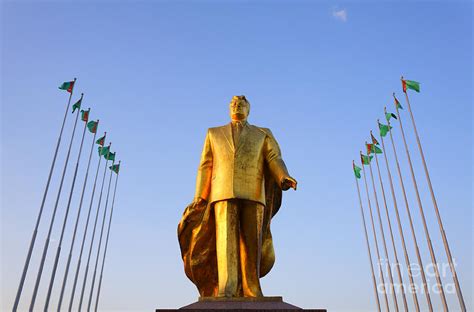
x: 239, y: 108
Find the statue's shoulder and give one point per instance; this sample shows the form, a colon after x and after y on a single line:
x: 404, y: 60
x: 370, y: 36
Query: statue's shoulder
x: 213, y: 131
x: 266, y: 131
x: 218, y: 128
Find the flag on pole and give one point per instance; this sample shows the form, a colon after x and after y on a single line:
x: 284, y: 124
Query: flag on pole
x: 384, y: 129
x: 103, y: 150
x: 77, y: 105
x: 85, y: 115
x: 372, y: 148
x: 390, y: 115
x: 110, y: 156
x: 356, y: 170
x: 68, y: 86
x: 116, y: 168
x: 365, y: 159
x: 92, y: 126
x: 410, y: 84
x: 374, y: 140
x: 101, y: 140
x: 397, y: 103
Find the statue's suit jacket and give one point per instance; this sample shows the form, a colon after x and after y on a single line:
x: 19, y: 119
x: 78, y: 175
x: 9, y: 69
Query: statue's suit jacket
x: 227, y: 171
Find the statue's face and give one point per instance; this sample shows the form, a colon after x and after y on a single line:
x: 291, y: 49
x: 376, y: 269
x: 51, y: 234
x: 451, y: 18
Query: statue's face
x: 239, y: 108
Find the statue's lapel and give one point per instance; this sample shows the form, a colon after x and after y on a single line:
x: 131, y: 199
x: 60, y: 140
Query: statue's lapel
x: 227, y: 130
x: 243, y: 135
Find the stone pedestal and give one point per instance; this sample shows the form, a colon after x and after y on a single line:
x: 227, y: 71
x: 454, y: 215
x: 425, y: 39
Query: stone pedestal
x: 261, y: 304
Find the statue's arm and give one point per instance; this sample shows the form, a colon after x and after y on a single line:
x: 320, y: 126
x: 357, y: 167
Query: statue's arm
x: 275, y: 162
x: 203, y: 180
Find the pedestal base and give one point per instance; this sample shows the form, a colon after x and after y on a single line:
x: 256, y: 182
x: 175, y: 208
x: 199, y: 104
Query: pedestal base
x: 245, y: 304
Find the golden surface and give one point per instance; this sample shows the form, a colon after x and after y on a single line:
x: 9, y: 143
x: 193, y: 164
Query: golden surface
x: 224, y: 235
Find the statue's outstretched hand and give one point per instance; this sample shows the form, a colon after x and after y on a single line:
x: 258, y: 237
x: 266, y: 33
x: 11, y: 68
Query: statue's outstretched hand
x: 288, y: 182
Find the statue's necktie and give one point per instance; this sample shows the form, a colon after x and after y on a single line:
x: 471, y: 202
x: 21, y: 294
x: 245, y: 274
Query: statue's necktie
x: 237, y: 130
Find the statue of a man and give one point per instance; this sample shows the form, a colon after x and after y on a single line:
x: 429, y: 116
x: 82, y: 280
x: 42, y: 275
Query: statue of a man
x: 224, y: 234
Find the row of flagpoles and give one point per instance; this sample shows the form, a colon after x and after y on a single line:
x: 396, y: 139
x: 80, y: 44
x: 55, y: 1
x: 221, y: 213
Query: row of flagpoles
x: 374, y: 148
x: 106, y: 152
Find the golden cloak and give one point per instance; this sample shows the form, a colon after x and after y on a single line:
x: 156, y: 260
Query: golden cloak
x: 197, y: 239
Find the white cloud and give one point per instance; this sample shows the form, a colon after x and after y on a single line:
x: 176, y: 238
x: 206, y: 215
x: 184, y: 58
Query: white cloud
x: 340, y: 14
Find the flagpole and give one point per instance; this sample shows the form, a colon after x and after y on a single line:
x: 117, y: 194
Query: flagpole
x: 366, y: 240
x: 420, y: 206
x: 375, y: 237
x: 85, y: 230
x: 383, y: 237
x: 400, y: 229
x: 93, y: 235
x: 100, y: 241
x: 397, y: 263
x: 407, y: 206
x: 107, y: 243
x: 77, y: 222
x: 438, y: 215
x: 46, y: 245
x: 38, y: 219
x: 58, y: 251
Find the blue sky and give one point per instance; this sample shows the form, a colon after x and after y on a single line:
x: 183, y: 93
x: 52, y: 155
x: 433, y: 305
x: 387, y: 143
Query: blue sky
x: 158, y: 74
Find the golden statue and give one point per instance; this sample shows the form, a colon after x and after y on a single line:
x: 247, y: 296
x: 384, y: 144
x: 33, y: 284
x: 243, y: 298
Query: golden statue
x: 224, y: 235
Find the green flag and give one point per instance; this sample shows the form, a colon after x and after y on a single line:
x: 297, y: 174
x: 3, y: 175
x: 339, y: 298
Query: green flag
x: 101, y: 141
x: 397, y: 103
x: 384, y: 129
x: 365, y: 159
x: 356, y: 170
x: 77, y: 105
x: 103, y: 150
x: 92, y: 126
x: 84, y: 115
x: 374, y: 140
x: 68, y: 86
x: 110, y: 156
x: 390, y: 115
x: 115, y: 168
x: 410, y: 84
x: 372, y: 148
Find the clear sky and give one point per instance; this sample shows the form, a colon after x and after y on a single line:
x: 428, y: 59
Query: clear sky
x: 158, y: 74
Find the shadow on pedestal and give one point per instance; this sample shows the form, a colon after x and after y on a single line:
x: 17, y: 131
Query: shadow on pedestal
x: 246, y: 304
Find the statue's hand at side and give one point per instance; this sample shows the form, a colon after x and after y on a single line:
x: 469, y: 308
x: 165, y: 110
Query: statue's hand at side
x: 288, y: 182
x: 199, y: 201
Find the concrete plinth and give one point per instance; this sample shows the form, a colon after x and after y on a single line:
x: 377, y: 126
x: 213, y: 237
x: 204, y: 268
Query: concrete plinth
x: 245, y: 304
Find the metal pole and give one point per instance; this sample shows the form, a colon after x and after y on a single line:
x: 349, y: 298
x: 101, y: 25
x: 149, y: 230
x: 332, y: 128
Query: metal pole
x: 100, y: 241
x: 107, y: 242
x: 77, y: 223
x: 46, y: 245
x: 407, y: 206
x: 58, y: 252
x: 397, y: 263
x: 438, y: 216
x: 38, y: 219
x: 420, y: 206
x: 375, y: 239
x: 93, y: 236
x: 84, y: 236
x: 366, y: 240
x: 400, y: 229
x: 389, y: 268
